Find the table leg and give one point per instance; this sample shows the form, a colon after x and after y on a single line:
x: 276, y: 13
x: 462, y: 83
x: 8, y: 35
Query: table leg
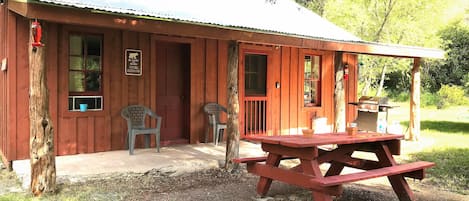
x: 398, y: 182
x: 318, y: 196
x: 311, y: 167
x: 264, y: 183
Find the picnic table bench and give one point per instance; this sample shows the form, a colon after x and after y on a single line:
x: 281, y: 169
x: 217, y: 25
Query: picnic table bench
x: 308, y: 175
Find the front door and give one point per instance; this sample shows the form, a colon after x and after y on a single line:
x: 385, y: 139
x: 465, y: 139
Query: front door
x: 173, y: 64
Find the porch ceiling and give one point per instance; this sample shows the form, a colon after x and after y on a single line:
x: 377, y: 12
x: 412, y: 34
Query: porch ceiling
x: 258, y: 21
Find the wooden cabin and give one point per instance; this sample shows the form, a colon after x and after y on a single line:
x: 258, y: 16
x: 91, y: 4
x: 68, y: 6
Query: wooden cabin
x: 172, y: 57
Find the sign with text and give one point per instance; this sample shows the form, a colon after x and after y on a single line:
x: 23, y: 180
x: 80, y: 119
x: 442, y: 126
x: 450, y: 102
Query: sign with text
x: 133, y: 62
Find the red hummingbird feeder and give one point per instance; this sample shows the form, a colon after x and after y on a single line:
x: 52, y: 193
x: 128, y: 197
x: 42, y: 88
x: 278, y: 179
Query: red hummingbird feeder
x: 37, y: 34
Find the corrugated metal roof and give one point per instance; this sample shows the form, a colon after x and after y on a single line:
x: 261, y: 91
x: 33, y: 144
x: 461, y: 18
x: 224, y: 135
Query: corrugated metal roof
x: 272, y: 16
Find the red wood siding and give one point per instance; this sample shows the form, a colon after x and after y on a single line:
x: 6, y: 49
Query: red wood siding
x: 351, y: 86
x: 3, y: 84
x: 286, y: 114
x: 105, y: 130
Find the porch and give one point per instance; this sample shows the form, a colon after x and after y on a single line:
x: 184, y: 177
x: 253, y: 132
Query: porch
x: 172, y: 160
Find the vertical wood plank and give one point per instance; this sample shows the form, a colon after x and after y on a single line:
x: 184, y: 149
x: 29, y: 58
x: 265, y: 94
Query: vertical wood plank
x: 339, y: 93
x: 125, y: 79
x: 294, y: 92
x: 11, y: 82
x: 142, y: 44
x: 211, y: 74
x: 22, y: 89
x: 68, y: 136
x: 3, y: 95
x: 197, y: 91
x: 52, y: 76
x: 153, y: 76
x: 222, y: 72
x: 328, y: 87
x: 100, y: 137
x: 116, y: 76
x: 273, y: 94
x: 211, y: 79
x: 285, y: 91
x: 90, y: 130
x: 351, y: 86
x: 109, y: 39
x: 82, y: 134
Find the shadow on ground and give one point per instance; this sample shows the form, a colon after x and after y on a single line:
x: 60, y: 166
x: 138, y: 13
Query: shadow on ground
x: 443, y: 126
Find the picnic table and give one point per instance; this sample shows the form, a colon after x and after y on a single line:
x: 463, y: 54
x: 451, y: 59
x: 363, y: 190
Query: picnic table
x: 307, y: 174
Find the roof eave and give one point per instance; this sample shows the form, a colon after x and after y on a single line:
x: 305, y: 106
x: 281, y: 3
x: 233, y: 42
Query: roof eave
x: 52, y: 13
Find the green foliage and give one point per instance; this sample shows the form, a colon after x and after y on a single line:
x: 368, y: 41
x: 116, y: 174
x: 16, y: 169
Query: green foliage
x: 315, y: 5
x: 456, y: 44
x: 451, y: 168
x: 399, y: 97
x: 451, y: 95
x: 428, y: 99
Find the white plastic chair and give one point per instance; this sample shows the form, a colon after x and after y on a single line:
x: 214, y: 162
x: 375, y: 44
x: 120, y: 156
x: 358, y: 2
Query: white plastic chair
x: 213, y: 111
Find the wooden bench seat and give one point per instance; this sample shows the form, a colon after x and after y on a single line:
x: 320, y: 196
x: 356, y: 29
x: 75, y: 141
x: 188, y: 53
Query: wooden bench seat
x: 414, y: 167
x: 257, y: 159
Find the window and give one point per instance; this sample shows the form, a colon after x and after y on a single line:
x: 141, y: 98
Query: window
x: 85, y: 71
x: 312, y: 81
x: 255, y: 74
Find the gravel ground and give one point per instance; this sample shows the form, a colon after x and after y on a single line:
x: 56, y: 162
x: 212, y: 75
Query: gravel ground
x: 213, y: 184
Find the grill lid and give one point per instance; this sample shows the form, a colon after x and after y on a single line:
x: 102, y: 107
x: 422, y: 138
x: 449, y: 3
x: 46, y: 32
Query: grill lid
x: 373, y: 100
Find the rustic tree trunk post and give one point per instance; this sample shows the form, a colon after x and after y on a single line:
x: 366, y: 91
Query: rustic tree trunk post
x: 41, y: 141
x: 339, y: 94
x: 414, y: 124
x: 232, y: 130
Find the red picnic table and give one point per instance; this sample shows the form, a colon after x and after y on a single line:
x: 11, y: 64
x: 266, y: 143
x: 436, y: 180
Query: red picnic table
x: 308, y: 175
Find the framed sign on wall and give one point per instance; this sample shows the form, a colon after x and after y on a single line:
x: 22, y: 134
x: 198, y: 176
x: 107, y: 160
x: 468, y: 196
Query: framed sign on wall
x: 133, y: 62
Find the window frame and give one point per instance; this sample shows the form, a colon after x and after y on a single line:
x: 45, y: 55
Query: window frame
x: 319, y: 81
x: 84, y: 60
x: 256, y: 92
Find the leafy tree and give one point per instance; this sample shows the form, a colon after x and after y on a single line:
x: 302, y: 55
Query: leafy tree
x: 317, y: 6
x: 455, y: 68
x: 403, y: 22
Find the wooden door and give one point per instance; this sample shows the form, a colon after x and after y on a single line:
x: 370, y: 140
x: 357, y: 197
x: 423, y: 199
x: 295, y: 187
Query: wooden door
x: 259, y: 104
x: 173, y: 64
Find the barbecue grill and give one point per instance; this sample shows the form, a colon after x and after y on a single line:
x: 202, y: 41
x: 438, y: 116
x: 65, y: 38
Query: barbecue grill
x: 371, y: 110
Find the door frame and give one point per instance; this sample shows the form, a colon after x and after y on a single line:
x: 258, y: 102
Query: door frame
x: 153, y: 81
x: 272, y: 53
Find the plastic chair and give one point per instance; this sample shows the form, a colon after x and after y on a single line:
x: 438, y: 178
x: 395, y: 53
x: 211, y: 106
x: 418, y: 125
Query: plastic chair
x: 213, y: 111
x: 135, y: 116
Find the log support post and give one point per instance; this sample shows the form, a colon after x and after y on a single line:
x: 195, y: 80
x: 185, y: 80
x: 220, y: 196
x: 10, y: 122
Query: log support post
x: 339, y: 94
x: 232, y: 130
x: 414, y: 123
x: 41, y: 142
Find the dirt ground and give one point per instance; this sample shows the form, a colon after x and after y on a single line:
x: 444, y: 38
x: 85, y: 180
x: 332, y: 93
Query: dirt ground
x: 214, y: 184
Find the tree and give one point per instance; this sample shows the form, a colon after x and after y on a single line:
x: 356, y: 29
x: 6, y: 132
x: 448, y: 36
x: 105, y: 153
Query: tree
x: 317, y: 6
x: 453, y: 70
x: 232, y: 130
x: 42, y: 158
x: 391, y: 21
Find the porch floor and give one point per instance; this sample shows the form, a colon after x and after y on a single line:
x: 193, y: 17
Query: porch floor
x: 172, y: 160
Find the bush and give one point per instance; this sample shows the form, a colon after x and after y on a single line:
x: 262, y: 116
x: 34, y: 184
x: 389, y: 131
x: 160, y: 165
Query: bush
x: 428, y: 99
x: 400, y: 97
x: 450, y: 95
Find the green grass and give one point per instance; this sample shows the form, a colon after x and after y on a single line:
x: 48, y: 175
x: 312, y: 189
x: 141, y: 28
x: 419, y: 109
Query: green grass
x: 445, y: 141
